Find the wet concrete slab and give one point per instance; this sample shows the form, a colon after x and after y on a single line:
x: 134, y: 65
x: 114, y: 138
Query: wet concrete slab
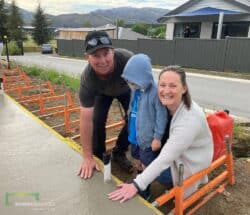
x: 38, y: 173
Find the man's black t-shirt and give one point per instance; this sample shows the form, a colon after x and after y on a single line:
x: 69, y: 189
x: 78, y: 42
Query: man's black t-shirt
x: 91, y: 85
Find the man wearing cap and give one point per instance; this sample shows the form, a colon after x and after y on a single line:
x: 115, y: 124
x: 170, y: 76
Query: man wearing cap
x: 101, y: 82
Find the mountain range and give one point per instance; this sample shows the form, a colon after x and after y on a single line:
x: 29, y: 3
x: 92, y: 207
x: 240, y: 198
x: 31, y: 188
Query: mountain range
x: 101, y: 17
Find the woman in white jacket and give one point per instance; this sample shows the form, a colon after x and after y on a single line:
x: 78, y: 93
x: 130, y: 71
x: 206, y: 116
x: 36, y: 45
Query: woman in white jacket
x: 190, y: 141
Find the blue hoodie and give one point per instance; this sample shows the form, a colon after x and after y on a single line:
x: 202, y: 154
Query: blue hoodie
x: 151, y: 118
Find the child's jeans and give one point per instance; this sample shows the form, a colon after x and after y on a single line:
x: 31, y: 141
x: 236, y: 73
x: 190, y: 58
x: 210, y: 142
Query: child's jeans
x: 146, y: 156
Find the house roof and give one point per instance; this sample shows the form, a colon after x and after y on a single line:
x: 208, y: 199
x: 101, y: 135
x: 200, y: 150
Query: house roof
x: 206, y: 11
x: 100, y: 28
x: 246, y: 2
x: 242, y: 3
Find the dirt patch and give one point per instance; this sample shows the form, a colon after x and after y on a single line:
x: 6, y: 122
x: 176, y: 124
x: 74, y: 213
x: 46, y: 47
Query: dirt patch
x: 235, y: 200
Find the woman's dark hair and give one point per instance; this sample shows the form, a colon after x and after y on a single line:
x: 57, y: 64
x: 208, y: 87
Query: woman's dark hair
x: 186, y: 97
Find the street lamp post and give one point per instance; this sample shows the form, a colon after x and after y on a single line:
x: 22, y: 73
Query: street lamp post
x: 7, y: 51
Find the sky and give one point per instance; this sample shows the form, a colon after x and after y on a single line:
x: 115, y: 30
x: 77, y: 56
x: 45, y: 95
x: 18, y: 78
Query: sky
x: 56, y: 7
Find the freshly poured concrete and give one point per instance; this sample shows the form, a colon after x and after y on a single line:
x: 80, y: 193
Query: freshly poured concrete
x: 34, y: 160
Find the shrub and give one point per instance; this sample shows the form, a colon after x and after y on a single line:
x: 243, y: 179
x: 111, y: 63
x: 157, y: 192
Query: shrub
x: 12, y: 48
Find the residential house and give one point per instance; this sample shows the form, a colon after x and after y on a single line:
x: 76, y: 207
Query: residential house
x: 81, y: 33
x: 200, y: 19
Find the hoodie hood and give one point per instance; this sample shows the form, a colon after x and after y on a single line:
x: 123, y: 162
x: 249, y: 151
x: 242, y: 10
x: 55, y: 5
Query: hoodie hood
x: 138, y: 70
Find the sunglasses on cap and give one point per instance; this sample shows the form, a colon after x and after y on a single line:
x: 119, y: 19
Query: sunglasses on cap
x: 98, y: 41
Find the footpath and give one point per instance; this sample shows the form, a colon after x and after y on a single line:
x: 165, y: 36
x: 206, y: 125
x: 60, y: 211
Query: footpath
x: 38, y: 172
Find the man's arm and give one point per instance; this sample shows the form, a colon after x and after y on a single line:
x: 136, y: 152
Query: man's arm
x: 86, y: 131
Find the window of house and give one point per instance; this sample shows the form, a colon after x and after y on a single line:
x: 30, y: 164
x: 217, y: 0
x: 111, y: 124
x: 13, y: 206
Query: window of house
x: 232, y: 29
x: 191, y: 30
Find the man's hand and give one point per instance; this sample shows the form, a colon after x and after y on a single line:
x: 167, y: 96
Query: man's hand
x: 87, y: 168
x: 123, y: 193
x: 156, y: 145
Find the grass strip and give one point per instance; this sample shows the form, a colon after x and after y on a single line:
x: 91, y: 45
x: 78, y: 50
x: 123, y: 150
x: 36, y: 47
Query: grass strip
x: 54, y: 76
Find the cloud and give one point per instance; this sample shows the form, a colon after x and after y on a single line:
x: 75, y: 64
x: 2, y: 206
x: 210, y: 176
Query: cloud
x: 56, y: 7
x: 27, y: 5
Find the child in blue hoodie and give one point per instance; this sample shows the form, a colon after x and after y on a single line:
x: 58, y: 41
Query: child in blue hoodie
x: 147, y: 116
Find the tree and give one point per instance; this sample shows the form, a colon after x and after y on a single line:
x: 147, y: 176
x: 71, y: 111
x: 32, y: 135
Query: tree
x: 41, y: 33
x: 157, y: 32
x: 140, y: 28
x: 121, y: 23
x: 3, y: 19
x: 15, y: 23
x: 150, y: 30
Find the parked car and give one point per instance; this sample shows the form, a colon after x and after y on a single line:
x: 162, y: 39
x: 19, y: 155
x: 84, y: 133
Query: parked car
x: 46, y: 49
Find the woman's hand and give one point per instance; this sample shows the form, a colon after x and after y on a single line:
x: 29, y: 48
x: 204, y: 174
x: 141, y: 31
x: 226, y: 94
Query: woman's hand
x: 123, y: 193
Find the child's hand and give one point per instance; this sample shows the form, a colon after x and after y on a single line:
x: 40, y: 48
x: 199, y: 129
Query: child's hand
x: 138, y: 164
x: 156, y: 145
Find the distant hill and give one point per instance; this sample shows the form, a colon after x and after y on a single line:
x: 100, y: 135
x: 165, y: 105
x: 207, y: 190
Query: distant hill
x: 27, y: 15
x: 101, y: 17
x: 132, y: 15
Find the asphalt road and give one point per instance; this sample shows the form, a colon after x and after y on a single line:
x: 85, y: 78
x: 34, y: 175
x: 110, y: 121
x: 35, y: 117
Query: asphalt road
x: 209, y: 91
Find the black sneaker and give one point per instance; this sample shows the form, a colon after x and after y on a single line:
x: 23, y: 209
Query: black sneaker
x: 122, y: 161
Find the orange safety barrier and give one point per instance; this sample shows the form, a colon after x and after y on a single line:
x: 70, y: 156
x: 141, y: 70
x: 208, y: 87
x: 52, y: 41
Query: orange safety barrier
x: 15, y: 80
x: 67, y: 122
x: 56, y: 113
x: 4, y: 63
x: 214, y: 186
x: 111, y: 126
x: 21, y: 89
x: 14, y: 77
x: 111, y: 140
x: 65, y: 112
x: 68, y: 126
x: 67, y: 98
x: 13, y: 71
